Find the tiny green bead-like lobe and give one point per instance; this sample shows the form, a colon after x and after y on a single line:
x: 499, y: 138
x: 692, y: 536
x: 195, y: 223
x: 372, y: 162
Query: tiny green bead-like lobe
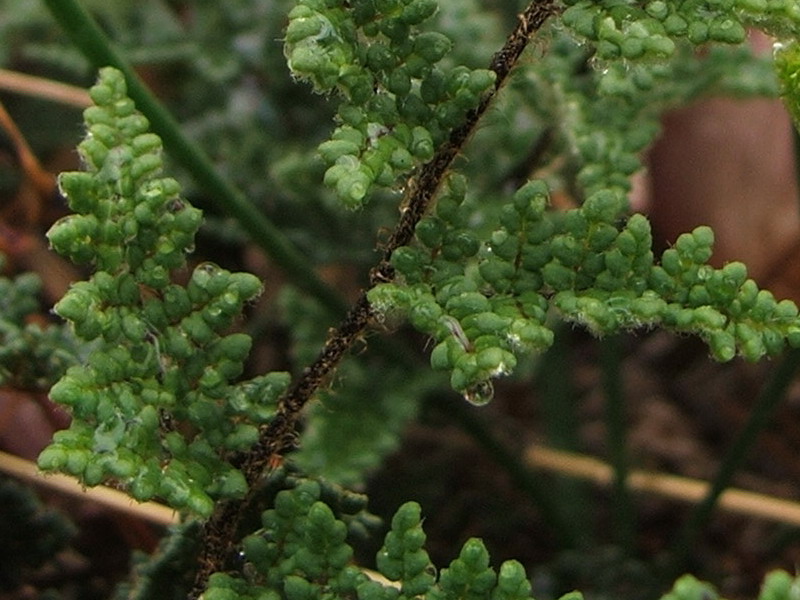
x: 417, y: 11
x: 722, y: 345
x: 727, y: 29
x: 603, y: 206
x: 574, y: 595
x: 786, y: 310
x: 76, y: 303
x: 470, y: 571
x: 402, y: 557
x: 779, y: 585
x: 332, y: 150
x: 352, y: 187
x: 787, y: 66
x: 390, y: 303
x: 102, y: 94
x: 409, y: 515
x: 581, y: 20
x: 79, y: 190
x: 242, y: 438
x: 432, y: 46
x: 74, y: 236
x: 200, y: 504
x: 53, y: 458
x: 557, y: 276
x: 512, y: 582
x: 440, y: 357
x: 532, y: 199
x: 675, y: 25
x: 231, y: 484
x: 218, y: 593
x: 421, y: 143
x: 698, y: 32
x: 430, y: 231
x: 300, y: 28
x: 657, y: 9
x: 689, y: 587
x: 409, y: 261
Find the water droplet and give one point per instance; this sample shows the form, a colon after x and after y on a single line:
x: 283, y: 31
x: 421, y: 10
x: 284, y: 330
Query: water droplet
x: 480, y: 394
x: 598, y: 64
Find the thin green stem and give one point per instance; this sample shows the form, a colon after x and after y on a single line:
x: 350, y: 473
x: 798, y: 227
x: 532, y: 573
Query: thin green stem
x: 771, y: 396
x: 624, y: 518
x: 554, y: 382
x: 558, y: 399
x: 95, y: 45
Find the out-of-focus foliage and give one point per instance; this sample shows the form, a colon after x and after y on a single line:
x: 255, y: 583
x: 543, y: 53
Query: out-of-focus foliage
x: 158, y: 406
x: 31, y: 534
x: 33, y: 353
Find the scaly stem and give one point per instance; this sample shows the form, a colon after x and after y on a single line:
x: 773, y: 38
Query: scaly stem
x: 95, y: 45
x: 771, y: 396
x: 278, y: 436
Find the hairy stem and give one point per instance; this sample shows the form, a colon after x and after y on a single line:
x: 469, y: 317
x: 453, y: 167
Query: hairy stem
x: 278, y: 436
x: 98, y: 49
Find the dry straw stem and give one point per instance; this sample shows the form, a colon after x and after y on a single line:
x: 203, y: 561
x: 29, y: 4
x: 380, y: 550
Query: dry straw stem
x: 26, y: 470
x: 47, y: 89
x: 278, y: 436
x: 673, y: 487
x: 42, y: 180
x: 30, y: 85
